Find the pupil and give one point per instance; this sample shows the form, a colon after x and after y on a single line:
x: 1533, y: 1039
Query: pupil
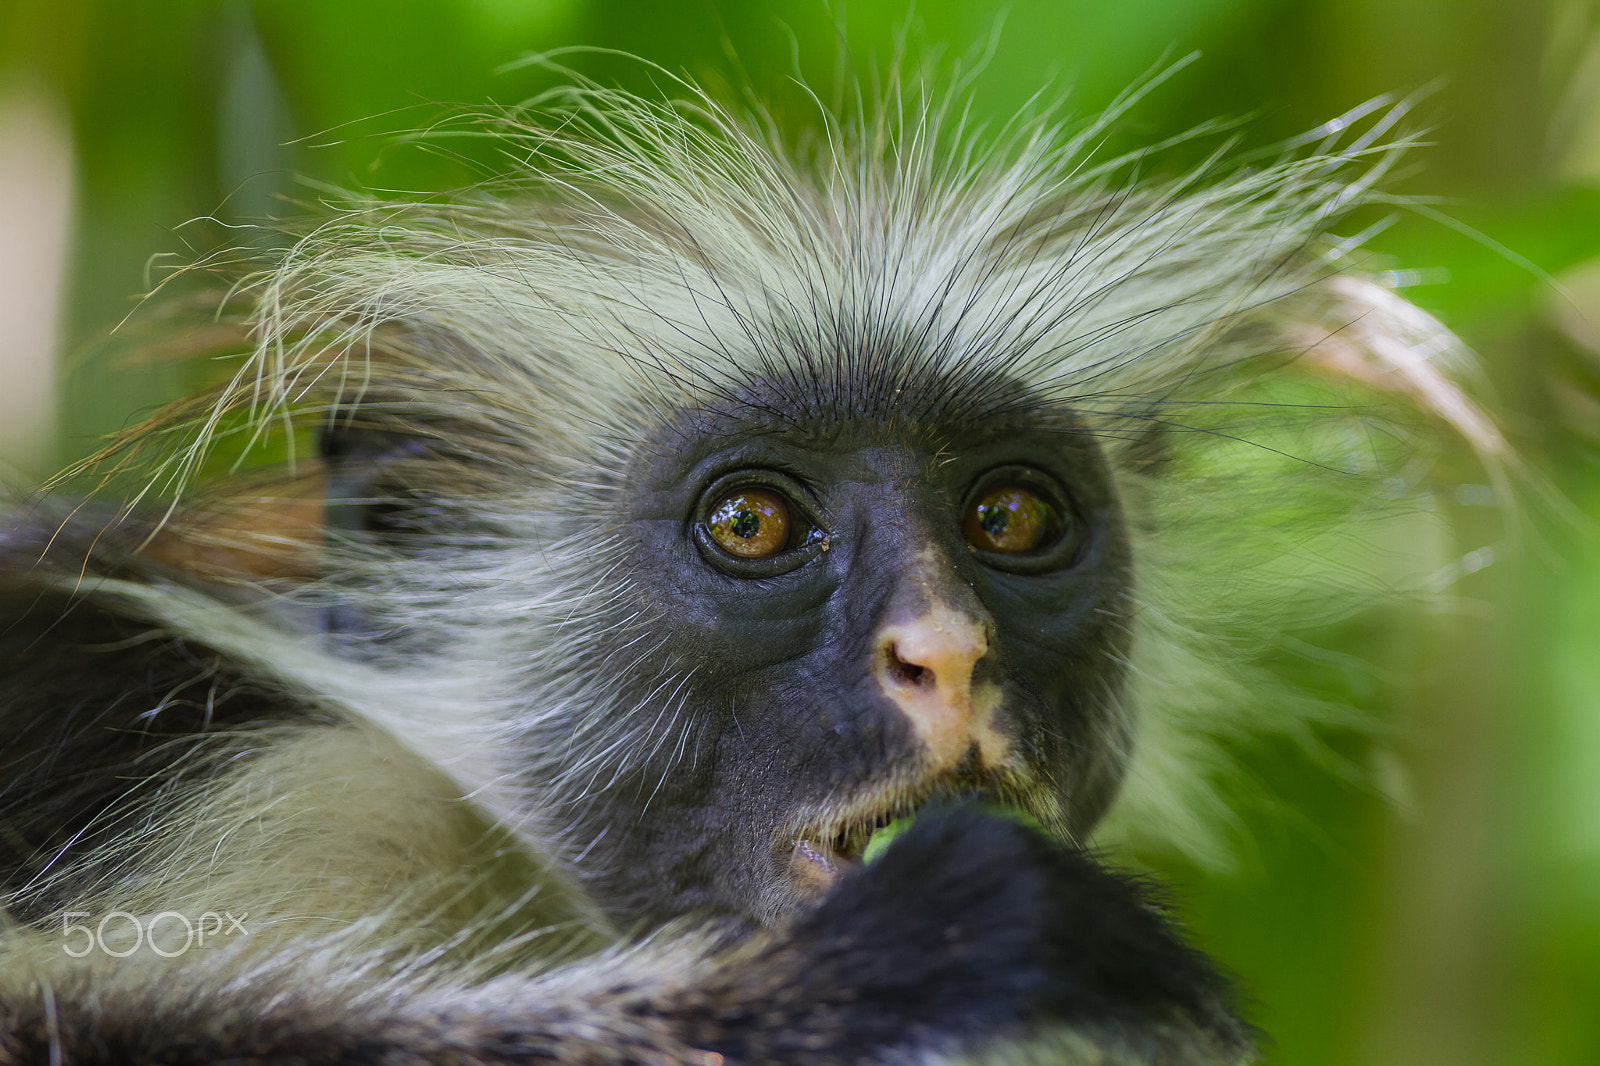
x: 993, y: 519
x: 745, y: 525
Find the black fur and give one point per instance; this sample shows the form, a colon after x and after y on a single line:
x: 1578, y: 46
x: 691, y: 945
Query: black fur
x: 970, y: 933
x: 103, y: 720
x: 971, y: 930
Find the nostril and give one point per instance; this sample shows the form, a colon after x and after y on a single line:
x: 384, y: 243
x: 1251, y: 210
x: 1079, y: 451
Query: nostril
x: 923, y: 667
x: 909, y: 673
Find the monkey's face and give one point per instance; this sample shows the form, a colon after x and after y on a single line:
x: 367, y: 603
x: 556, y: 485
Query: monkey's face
x: 865, y: 614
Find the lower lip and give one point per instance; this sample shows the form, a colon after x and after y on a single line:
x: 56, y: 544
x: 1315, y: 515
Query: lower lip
x: 812, y: 867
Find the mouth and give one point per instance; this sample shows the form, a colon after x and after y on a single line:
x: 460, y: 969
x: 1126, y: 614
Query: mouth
x: 823, y: 848
x: 824, y: 853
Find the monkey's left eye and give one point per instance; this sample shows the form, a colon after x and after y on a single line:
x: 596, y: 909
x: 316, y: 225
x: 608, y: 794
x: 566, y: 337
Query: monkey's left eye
x: 1019, y: 519
x: 750, y: 523
x: 1008, y: 519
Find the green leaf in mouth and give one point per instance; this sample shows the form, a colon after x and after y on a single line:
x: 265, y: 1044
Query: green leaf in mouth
x: 883, y: 837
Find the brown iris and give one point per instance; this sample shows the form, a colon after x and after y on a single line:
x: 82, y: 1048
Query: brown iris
x: 750, y: 523
x: 1007, y: 519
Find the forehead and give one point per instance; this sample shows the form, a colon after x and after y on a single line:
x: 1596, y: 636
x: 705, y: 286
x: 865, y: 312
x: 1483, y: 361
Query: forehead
x: 849, y: 410
x: 934, y: 437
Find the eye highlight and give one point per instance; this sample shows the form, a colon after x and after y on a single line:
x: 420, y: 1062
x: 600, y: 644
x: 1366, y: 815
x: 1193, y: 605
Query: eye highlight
x: 750, y: 523
x: 1007, y: 519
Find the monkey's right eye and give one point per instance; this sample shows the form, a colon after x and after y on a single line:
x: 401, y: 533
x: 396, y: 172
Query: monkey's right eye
x: 750, y: 523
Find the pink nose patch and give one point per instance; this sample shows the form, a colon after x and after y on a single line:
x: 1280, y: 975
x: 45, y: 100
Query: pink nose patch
x: 924, y: 667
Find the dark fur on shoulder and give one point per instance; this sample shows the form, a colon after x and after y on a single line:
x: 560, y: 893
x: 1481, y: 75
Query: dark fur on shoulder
x: 970, y: 935
x: 110, y: 743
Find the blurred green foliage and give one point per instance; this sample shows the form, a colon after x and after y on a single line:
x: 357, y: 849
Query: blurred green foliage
x: 1455, y: 920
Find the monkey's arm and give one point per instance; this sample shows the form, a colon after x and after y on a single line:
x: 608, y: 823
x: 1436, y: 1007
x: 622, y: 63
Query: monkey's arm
x: 973, y: 934
x: 970, y: 937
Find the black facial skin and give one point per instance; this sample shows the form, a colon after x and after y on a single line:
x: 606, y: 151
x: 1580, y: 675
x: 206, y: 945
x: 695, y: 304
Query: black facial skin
x: 790, y: 718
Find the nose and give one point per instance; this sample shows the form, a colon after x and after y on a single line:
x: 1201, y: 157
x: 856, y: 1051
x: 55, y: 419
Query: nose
x: 924, y: 667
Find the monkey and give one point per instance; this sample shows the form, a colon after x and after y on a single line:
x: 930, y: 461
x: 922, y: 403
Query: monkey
x: 653, y: 530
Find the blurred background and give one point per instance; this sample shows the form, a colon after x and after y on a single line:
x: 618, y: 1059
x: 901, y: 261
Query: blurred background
x: 1443, y: 909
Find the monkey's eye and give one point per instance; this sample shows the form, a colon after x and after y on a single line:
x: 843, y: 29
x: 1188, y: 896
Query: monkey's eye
x: 1008, y: 519
x: 757, y: 523
x: 750, y: 523
x: 1018, y: 518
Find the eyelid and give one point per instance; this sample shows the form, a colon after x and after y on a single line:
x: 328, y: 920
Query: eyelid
x: 771, y: 475
x: 775, y: 477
